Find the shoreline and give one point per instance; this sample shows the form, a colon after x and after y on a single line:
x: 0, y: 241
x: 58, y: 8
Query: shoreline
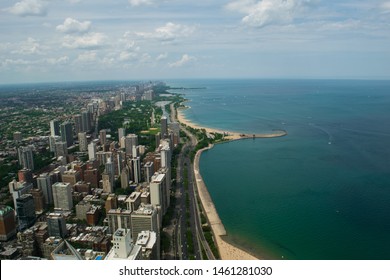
x: 228, y: 135
x: 227, y: 250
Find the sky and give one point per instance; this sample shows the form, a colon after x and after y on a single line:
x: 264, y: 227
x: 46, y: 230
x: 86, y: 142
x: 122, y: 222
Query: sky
x: 72, y: 40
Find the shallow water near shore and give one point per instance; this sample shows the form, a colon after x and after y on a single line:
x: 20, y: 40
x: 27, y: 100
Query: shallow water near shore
x: 321, y: 192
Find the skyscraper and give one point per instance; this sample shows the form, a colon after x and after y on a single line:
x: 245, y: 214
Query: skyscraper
x: 44, y: 183
x: 26, y: 159
x: 148, y: 171
x: 83, y: 144
x: 7, y: 223
x: 119, y: 218
x: 123, y: 247
x: 86, y: 120
x: 26, y: 211
x: 136, y: 168
x: 121, y: 133
x: 158, y: 192
x: 130, y: 141
x: 103, y: 137
x: 67, y: 133
x: 61, y: 149
x: 92, y: 151
x: 145, y: 218
x: 77, y: 123
x: 54, y: 128
x: 164, y: 127
x: 52, y: 142
x: 56, y: 225
x: 17, y: 189
x: 62, y: 196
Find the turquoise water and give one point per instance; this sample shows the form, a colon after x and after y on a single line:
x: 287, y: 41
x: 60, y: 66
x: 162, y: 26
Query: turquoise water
x: 321, y: 192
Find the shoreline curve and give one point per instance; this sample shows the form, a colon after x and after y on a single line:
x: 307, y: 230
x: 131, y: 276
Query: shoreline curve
x: 227, y: 250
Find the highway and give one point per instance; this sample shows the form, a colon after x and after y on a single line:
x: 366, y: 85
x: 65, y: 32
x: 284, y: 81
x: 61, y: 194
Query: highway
x: 184, y: 218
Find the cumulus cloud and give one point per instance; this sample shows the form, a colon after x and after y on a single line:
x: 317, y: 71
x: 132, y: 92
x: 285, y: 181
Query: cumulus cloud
x: 30, y: 46
x: 136, y: 3
x: 127, y: 56
x: 89, y: 56
x: 58, y: 61
x: 87, y: 41
x: 168, y: 32
x: 29, y: 8
x: 71, y: 25
x: 269, y: 12
x: 162, y: 56
x: 17, y: 62
x: 185, y: 59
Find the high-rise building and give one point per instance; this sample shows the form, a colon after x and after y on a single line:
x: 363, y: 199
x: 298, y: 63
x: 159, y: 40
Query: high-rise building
x: 71, y: 176
x: 7, y: 223
x: 167, y: 173
x: 119, y: 218
x: 86, y: 120
x: 175, y: 127
x: 121, y: 133
x: 77, y: 123
x: 44, y: 183
x: 145, y: 218
x: 92, y: 150
x: 133, y: 201
x: 111, y: 202
x: 56, y: 225
x: 148, y: 241
x: 92, y: 176
x: 108, y: 185
x: 26, y: 159
x: 55, y: 128
x: 123, y: 247
x: 136, y: 170
x: 25, y: 175
x: 25, y: 210
x: 17, y: 189
x: 165, y: 155
x: 67, y: 133
x: 103, y: 137
x: 39, y: 200
x: 148, y: 171
x: 61, y: 149
x: 158, y: 193
x: 164, y: 127
x: 130, y: 141
x: 125, y: 177
x: 83, y: 144
x: 52, y: 142
x: 62, y: 196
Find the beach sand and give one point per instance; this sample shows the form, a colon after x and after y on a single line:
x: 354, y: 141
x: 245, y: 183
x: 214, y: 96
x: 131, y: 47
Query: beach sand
x: 228, y: 135
x: 227, y: 251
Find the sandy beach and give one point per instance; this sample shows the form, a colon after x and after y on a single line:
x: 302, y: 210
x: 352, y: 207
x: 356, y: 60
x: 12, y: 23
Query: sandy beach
x: 226, y: 250
x: 228, y: 135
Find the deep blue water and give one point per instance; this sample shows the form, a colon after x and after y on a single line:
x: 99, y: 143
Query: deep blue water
x: 322, y: 191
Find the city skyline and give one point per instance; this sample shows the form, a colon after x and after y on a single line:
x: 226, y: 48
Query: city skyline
x: 73, y: 40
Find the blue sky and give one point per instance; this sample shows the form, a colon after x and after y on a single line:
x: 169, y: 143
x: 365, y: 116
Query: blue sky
x: 67, y: 40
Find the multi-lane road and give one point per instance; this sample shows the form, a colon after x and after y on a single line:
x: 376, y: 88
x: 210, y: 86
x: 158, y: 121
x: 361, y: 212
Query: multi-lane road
x: 186, y: 218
